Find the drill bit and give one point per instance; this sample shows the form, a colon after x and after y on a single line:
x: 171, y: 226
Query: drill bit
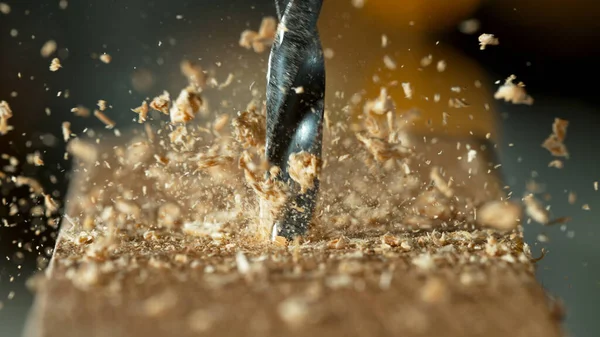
x: 295, y: 103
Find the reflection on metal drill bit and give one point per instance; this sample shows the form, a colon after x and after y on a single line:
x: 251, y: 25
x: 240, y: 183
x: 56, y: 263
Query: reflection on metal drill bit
x: 295, y: 94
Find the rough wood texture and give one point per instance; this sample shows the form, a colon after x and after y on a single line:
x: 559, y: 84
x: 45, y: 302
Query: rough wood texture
x: 328, y: 292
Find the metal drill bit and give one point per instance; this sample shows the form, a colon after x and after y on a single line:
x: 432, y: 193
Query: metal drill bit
x: 294, y: 115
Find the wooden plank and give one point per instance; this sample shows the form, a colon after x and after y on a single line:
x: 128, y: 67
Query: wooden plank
x: 126, y: 278
x: 364, y: 289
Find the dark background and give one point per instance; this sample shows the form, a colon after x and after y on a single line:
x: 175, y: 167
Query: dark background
x: 558, y: 61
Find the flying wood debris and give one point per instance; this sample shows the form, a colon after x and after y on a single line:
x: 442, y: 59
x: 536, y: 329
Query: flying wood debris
x: 487, y: 40
x: 161, y: 103
x: 48, y: 48
x: 555, y: 142
x: 142, y: 111
x: 81, y: 111
x: 5, y: 114
x: 304, y: 169
x: 104, y: 119
x: 261, y: 40
x: 514, y: 93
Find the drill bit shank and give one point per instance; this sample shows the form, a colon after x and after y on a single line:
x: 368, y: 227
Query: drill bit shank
x: 295, y: 104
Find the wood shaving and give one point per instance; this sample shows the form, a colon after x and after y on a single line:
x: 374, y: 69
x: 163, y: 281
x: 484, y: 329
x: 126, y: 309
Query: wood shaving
x: 441, y: 66
x: 48, y: 48
x: 408, y: 92
x: 161, y: 103
x: 227, y: 82
x: 572, y: 197
x: 535, y: 210
x: 381, y: 105
x: 426, y: 61
x: 384, y: 41
x: 102, y: 105
x: 556, y: 163
x: 303, y: 168
x: 501, y: 215
x: 382, y: 151
x: 35, y: 159
x: 514, y: 93
x: 339, y: 243
x: 105, y: 58
x: 34, y: 185
x: 81, y: 111
x: 487, y: 40
x: 389, y: 62
x: 559, y: 128
x: 194, y: 73
x: 249, y: 129
x: 66, y: 131
x: 104, y: 119
x: 440, y: 183
x: 261, y: 40
x: 221, y: 122
x: 55, y: 64
x: 142, y: 111
x: 5, y: 114
x: 554, y: 143
x: 50, y: 204
x: 186, y: 106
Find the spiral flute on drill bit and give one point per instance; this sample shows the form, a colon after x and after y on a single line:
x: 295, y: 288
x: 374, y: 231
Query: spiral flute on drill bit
x: 295, y: 104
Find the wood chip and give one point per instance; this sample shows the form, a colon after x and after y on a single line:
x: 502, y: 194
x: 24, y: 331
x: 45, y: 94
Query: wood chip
x: 66, y: 131
x: 102, y: 105
x: 104, y: 119
x: 389, y: 62
x: 5, y: 114
x: 261, y: 40
x: 487, y: 40
x: 408, y: 92
x: 186, y: 106
x: 303, y: 168
x: 105, y: 58
x: 556, y: 163
x: 440, y: 183
x: 572, y: 198
x: 514, y: 93
x: 142, y: 111
x: 48, y: 48
x: 554, y: 143
x: 441, y: 66
x: 535, y: 210
x: 381, y: 105
x: 81, y: 111
x: 161, y: 103
x: 55, y: 65
x: 194, y: 73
